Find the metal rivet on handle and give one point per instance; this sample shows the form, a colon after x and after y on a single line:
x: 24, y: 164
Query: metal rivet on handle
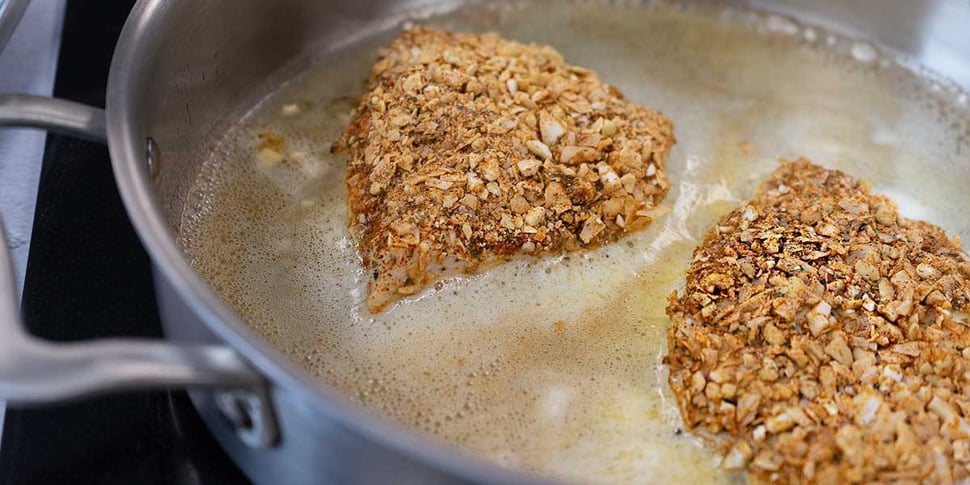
x: 153, y: 158
x: 250, y: 414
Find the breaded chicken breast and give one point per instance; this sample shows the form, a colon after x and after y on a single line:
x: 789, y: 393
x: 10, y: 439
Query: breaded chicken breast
x: 469, y: 149
x: 823, y: 338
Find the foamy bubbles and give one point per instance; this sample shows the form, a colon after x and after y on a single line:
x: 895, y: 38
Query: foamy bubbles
x: 863, y: 52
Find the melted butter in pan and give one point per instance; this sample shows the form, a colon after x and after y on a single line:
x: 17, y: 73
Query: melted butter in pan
x: 554, y: 365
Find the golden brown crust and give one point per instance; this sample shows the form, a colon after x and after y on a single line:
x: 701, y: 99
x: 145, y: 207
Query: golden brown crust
x: 469, y: 148
x: 822, y: 338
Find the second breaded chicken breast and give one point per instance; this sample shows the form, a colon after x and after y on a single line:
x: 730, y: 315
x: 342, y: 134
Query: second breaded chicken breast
x: 823, y: 338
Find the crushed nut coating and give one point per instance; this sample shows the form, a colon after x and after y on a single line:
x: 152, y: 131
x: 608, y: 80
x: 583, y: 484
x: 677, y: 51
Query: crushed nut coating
x: 468, y: 149
x: 822, y: 337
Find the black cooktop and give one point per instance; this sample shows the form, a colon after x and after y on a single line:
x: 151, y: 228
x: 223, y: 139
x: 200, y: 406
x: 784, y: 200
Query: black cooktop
x: 89, y: 277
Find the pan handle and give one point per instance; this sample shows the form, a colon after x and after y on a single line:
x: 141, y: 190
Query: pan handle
x: 35, y: 371
x: 57, y: 115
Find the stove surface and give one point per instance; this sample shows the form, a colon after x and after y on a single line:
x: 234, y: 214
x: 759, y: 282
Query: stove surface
x: 88, y: 276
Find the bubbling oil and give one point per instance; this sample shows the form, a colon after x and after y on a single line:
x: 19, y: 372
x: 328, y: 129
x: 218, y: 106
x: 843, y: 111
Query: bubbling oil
x: 554, y: 365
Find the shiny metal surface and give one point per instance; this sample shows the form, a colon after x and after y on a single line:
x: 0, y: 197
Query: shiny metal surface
x: 252, y: 416
x: 183, y: 71
x: 56, y: 115
x: 10, y: 13
x: 33, y: 371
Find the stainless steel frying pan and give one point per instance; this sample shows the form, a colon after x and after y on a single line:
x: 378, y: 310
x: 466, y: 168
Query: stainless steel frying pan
x: 181, y: 73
